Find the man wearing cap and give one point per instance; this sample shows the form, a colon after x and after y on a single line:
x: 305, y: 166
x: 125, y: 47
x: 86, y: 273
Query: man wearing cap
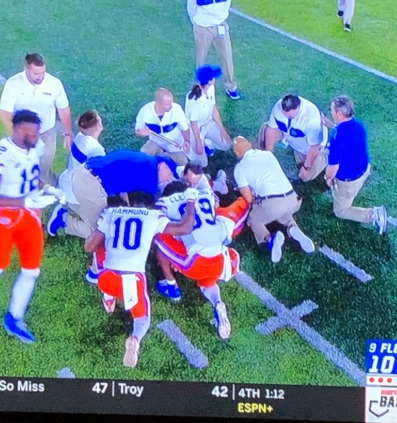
x: 349, y: 165
x: 263, y: 184
x: 164, y: 122
x: 36, y: 90
x: 298, y: 123
x: 209, y: 26
x: 207, y: 132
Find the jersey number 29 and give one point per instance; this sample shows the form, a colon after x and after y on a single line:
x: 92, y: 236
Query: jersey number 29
x: 128, y: 233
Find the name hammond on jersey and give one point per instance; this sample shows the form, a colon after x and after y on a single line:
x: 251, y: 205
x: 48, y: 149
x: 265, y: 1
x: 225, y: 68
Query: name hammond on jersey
x: 21, y: 386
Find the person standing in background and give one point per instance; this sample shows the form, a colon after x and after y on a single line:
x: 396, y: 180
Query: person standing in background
x: 209, y: 26
x: 36, y: 90
x: 346, y: 11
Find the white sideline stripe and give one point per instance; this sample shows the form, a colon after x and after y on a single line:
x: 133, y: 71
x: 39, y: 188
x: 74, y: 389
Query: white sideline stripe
x: 316, y: 47
x: 351, y: 268
x: 305, y: 331
x: 192, y: 354
x: 392, y: 221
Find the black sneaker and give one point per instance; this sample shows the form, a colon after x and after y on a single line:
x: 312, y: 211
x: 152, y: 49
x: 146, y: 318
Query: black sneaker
x: 340, y: 13
x: 348, y: 28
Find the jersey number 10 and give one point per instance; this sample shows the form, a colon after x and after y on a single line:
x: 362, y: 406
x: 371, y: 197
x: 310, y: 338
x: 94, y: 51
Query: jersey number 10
x: 129, y: 232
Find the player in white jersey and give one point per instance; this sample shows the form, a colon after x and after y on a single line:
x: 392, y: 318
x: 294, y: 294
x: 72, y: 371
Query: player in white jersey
x: 127, y: 232
x: 298, y: 122
x: 202, y: 255
x: 20, y: 225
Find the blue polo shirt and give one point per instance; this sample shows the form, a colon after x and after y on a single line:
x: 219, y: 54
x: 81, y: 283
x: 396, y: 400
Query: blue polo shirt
x: 126, y: 171
x: 348, y: 147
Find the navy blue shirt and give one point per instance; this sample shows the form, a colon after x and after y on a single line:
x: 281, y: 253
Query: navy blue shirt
x: 348, y: 147
x: 128, y: 171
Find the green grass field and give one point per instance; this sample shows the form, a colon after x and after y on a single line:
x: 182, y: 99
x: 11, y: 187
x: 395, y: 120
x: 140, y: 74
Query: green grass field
x: 115, y: 68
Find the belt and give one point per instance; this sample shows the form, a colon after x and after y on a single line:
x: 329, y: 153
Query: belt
x: 91, y: 171
x: 354, y: 178
x: 259, y: 199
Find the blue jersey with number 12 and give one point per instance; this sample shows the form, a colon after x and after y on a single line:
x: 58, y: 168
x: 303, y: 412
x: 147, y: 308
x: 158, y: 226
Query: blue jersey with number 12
x: 129, y: 232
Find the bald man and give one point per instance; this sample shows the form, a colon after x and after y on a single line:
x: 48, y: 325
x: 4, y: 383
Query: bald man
x: 263, y: 184
x: 164, y: 122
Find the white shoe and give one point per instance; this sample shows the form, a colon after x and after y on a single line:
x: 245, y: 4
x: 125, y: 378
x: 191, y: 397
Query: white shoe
x: 305, y: 242
x: 220, y: 183
x: 131, y: 352
x: 276, y: 245
x: 222, y: 321
x: 380, y: 219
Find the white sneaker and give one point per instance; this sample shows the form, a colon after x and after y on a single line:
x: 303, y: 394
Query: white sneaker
x: 305, y: 242
x: 222, y: 321
x: 275, y: 245
x: 380, y: 219
x: 220, y: 183
x: 131, y: 352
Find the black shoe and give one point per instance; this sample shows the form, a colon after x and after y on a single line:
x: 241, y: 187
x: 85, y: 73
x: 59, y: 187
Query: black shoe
x: 340, y: 13
x: 348, y: 28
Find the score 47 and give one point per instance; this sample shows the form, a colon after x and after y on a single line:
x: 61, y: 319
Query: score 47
x: 100, y: 387
x: 382, y: 363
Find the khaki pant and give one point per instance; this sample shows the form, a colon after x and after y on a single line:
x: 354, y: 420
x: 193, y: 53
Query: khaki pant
x: 347, y: 7
x: 50, y: 142
x: 319, y: 164
x: 204, y: 37
x: 92, y: 200
x: 274, y: 209
x: 211, y: 135
x: 153, y: 149
x: 344, y: 196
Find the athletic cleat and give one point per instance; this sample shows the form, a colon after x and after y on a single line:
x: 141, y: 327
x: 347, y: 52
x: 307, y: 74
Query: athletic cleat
x: 340, y: 14
x: 91, y: 277
x: 348, y: 28
x: 131, y: 352
x: 275, y: 246
x: 209, y: 151
x: 57, y: 220
x: 18, y: 329
x: 110, y: 305
x: 220, y: 183
x: 380, y: 219
x: 234, y: 95
x: 221, y: 321
x: 304, y: 241
x: 170, y: 291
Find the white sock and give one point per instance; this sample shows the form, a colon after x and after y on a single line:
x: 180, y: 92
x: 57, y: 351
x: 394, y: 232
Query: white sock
x: 171, y: 282
x: 22, y: 292
x: 141, y: 326
x: 213, y: 294
x: 107, y: 297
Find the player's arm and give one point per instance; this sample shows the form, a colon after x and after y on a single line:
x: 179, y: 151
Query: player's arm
x: 242, y: 183
x: 185, y: 226
x: 247, y: 194
x: 197, y: 137
x: 6, y: 118
x: 272, y: 132
x: 95, y: 241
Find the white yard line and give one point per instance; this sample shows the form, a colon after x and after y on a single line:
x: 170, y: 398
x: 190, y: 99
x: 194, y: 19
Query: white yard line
x: 351, y: 268
x: 291, y: 319
x: 316, y: 46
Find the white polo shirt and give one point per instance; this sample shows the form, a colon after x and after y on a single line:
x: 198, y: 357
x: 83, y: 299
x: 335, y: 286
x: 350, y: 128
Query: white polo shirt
x: 43, y: 99
x: 208, y: 12
x: 303, y: 131
x: 169, y: 125
x: 261, y: 171
x: 200, y: 110
x: 83, y: 147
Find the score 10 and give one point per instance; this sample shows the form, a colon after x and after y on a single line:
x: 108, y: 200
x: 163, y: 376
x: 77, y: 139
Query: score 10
x: 381, y: 357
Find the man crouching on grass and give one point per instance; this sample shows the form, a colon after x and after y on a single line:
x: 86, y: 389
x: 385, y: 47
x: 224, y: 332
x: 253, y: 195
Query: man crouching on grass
x: 127, y: 231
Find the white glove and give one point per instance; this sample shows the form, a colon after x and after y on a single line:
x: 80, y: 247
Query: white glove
x: 58, y: 193
x: 191, y: 194
x: 39, y: 201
